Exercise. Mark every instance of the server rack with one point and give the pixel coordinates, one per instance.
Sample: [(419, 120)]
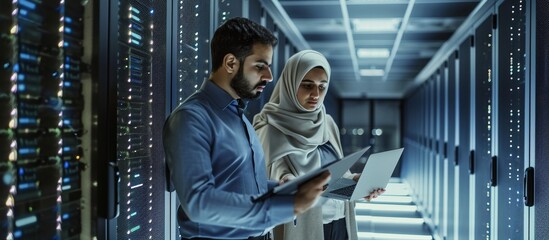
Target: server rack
[(493, 176), (440, 158), (130, 74), (6, 135), (483, 127), (140, 90), (431, 162), (426, 141), (537, 195), (41, 129), (464, 137), (511, 152), (423, 145), (451, 149)]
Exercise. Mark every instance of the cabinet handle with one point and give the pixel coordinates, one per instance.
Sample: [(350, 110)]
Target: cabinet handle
[(529, 187), (472, 162), (494, 171)]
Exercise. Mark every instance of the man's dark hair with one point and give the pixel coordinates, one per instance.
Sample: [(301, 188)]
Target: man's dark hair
[(237, 36)]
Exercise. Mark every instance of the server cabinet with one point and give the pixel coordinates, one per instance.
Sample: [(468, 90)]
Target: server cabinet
[(464, 152), (511, 117), (423, 187), (424, 154), (412, 142), (483, 128), (41, 129), (193, 50), (495, 142), (450, 149), (540, 52), (7, 118), (430, 148), (130, 113), (441, 141), (139, 91)]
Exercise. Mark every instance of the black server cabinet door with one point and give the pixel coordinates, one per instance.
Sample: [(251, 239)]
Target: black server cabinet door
[(424, 154), (431, 149), (541, 54), (511, 117), (193, 48), (464, 137), (41, 106), (440, 189), (140, 93), (483, 128), (450, 146)]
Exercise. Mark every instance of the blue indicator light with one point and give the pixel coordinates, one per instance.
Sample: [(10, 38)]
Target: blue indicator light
[(27, 4)]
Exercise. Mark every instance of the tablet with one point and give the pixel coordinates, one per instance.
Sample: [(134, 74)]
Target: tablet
[(336, 168)]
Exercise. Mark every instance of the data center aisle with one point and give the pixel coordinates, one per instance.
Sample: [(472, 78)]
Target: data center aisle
[(392, 215)]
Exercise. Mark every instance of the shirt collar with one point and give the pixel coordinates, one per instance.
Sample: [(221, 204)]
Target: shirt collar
[(220, 97)]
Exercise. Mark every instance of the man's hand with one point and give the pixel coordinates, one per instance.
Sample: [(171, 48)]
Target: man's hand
[(309, 192), (286, 178)]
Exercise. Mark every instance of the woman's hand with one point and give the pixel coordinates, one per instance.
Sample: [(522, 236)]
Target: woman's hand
[(356, 177), (375, 194)]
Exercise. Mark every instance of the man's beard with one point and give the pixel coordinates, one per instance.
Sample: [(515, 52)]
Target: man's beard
[(243, 88)]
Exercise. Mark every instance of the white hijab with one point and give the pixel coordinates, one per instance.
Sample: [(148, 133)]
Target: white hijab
[(286, 128)]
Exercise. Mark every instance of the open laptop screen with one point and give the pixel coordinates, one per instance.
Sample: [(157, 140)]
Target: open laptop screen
[(336, 168)]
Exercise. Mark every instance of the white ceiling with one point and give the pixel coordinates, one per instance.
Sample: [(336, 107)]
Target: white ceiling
[(415, 30)]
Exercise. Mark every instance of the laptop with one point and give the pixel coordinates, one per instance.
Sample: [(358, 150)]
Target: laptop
[(336, 168), (376, 174)]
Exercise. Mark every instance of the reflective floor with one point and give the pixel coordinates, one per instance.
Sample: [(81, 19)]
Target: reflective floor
[(392, 215)]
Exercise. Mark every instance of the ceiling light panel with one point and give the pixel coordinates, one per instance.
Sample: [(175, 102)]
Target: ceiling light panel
[(373, 52), (372, 72), (376, 25)]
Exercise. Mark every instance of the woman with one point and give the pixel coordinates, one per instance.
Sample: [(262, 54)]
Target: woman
[(298, 136)]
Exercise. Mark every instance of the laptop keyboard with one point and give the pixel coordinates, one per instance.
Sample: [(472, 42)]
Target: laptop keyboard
[(345, 191)]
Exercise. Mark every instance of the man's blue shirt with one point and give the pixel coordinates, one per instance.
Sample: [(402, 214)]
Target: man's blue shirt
[(216, 169)]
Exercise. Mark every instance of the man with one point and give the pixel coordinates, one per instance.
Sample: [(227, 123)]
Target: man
[(216, 161)]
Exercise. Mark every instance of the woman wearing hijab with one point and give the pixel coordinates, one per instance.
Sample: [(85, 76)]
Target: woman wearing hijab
[(298, 136)]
